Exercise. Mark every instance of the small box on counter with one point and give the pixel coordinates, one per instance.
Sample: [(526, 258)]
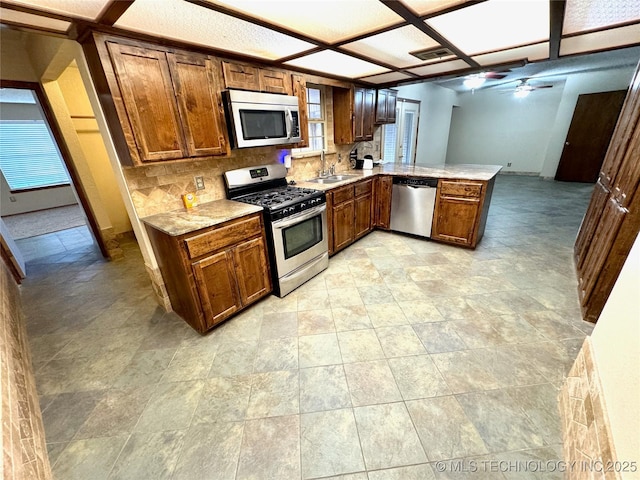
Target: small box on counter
[(190, 200)]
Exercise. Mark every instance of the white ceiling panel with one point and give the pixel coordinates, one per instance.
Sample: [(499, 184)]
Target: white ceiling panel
[(387, 77), (187, 22), (89, 9), (424, 7), (590, 42), (440, 68), (336, 63), (326, 20), (393, 47), (539, 51), (581, 16), (495, 25), (13, 16)]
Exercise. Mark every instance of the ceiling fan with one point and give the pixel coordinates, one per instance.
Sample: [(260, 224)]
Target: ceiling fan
[(524, 88), (476, 80)]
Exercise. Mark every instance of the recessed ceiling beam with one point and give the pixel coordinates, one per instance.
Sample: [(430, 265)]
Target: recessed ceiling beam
[(414, 20), (556, 19), (112, 12)]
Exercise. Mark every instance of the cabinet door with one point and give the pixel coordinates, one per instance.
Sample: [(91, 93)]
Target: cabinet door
[(274, 81), (358, 114), (343, 227), (455, 220), (149, 100), (199, 103), (392, 97), (238, 75), (383, 201), (363, 215), (381, 106), (300, 91), (368, 114), (252, 270), (216, 282)]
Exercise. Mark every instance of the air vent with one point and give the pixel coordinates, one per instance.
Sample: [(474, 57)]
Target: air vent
[(432, 53)]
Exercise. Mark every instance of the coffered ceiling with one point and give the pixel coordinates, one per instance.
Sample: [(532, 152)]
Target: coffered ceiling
[(380, 42)]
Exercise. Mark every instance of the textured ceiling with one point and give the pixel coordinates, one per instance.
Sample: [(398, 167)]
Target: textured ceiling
[(370, 41)]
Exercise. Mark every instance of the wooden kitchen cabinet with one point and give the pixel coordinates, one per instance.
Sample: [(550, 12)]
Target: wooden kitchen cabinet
[(386, 106), (300, 91), (363, 208), (382, 201), (257, 79), (213, 273), (460, 211), (353, 114), (168, 102), (350, 213)]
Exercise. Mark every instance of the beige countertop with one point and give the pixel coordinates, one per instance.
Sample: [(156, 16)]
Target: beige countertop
[(454, 172), (179, 222)]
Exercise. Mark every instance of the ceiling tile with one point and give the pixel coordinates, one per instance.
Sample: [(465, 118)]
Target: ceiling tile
[(387, 77), (440, 68), (13, 16), (425, 7), (590, 42), (581, 16), (393, 47), (495, 25), (187, 22), (327, 20), (89, 9), (539, 51), (335, 63)]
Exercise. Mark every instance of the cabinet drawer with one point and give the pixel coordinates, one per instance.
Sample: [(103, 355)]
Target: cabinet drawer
[(238, 75), (342, 194), (364, 188), (223, 237), (460, 189)]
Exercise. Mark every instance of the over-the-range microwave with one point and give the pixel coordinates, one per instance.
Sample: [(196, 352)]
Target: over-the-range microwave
[(256, 119)]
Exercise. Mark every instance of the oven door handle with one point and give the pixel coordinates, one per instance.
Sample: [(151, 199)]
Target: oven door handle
[(287, 222)]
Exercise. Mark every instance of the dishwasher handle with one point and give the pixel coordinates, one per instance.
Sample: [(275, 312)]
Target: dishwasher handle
[(416, 182)]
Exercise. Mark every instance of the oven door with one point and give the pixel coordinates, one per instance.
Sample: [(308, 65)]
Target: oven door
[(299, 239)]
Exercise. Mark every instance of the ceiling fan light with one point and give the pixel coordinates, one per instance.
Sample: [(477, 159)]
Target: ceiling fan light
[(522, 92), (473, 82)]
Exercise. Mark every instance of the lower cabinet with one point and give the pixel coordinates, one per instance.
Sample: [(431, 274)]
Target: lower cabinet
[(382, 188), (350, 213), (461, 211), (211, 274), (363, 206)]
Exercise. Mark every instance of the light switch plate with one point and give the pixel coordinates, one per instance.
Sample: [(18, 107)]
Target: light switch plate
[(199, 182)]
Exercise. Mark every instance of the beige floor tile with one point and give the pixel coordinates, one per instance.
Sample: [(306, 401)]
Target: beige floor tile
[(279, 325), (314, 300), (344, 297), (91, 458), (439, 337), (414, 472), (423, 311), (223, 399), (329, 443), (359, 346), (317, 350), (386, 315), (373, 294), (323, 388), (418, 377), (463, 371), (274, 394), (276, 354), (311, 322), (234, 359), (399, 341), (354, 317), (371, 382), (171, 407)]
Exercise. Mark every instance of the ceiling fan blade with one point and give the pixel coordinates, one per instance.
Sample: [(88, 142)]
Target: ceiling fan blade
[(543, 86), (494, 75)]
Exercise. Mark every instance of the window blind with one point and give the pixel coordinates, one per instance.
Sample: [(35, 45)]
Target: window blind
[(29, 157)]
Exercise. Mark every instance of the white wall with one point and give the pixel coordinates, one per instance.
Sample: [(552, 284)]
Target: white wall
[(616, 349), (576, 85), (492, 126), (436, 104)]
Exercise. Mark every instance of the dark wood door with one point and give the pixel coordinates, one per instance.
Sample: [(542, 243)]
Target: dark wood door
[(239, 75), (274, 81), (363, 224), (217, 286), (343, 225), (368, 114), (199, 103), (300, 90), (358, 114), (252, 270), (592, 125), (148, 96), (383, 201), (455, 220)]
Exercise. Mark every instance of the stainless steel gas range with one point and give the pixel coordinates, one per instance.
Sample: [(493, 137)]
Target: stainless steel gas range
[(295, 219)]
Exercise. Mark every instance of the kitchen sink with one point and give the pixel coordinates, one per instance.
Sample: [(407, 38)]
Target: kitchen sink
[(333, 178)]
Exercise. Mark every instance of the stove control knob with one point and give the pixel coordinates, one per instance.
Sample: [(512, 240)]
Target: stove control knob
[(303, 206)]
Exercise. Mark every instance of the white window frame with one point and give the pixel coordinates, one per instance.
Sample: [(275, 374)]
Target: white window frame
[(308, 151)]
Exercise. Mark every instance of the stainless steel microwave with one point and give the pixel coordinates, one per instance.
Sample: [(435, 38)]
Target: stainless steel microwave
[(256, 119)]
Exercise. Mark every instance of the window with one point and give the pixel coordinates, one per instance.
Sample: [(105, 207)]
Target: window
[(317, 119), (29, 157)]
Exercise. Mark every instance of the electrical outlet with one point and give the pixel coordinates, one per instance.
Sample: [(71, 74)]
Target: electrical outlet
[(339, 158), (12, 199), (509, 164), (199, 182)]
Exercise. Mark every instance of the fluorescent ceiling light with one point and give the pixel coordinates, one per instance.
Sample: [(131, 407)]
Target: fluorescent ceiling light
[(22, 18), (495, 25), (386, 77), (326, 20), (440, 67), (424, 7), (190, 23), (393, 47), (75, 8), (336, 63), (602, 40), (581, 15)]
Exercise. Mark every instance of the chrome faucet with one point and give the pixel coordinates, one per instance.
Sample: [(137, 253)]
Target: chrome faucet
[(323, 172)]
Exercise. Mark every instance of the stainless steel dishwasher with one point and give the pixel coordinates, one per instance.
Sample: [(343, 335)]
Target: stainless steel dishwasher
[(412, 204)]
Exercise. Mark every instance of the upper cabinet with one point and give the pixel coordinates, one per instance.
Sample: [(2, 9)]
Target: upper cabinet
[(300, 91), (170, 103), (386, 106), (248, 77), (353, 114)]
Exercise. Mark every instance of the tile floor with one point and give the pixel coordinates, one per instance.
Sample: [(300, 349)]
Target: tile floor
[(406, 359)]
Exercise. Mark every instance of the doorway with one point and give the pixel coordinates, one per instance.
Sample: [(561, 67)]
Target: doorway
[(592, 125), (43, 209), (399, 139)]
